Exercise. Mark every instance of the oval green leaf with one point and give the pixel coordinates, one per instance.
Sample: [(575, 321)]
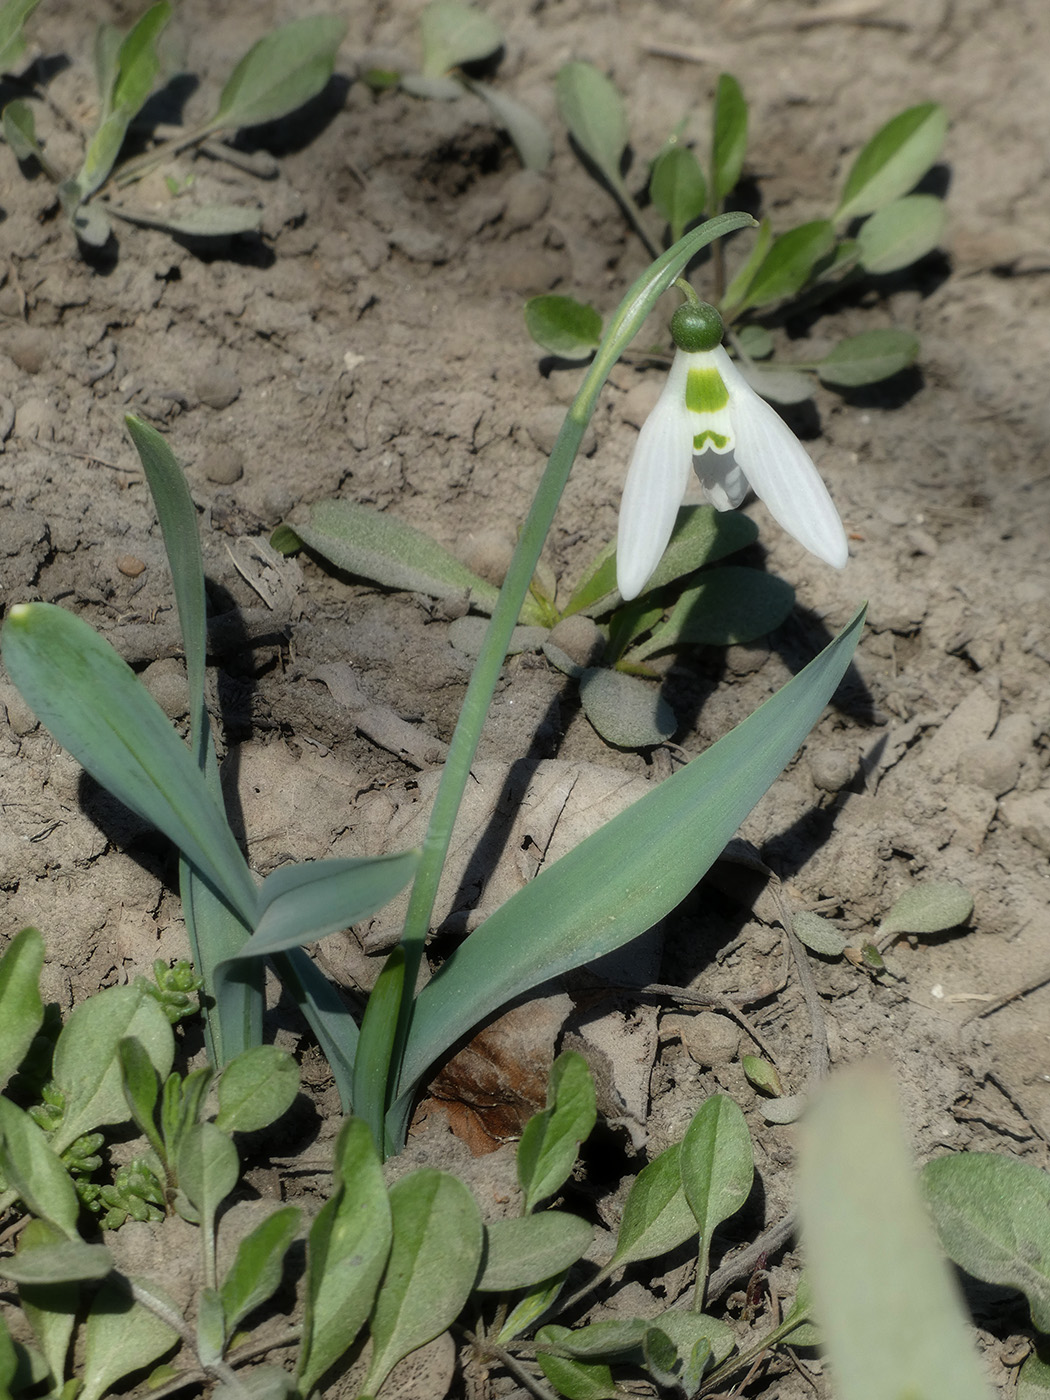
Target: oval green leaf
[(530, 137), (21, 1009), (593, 111), (929, 908), (656, 1215), (279, 73), (894, 160), (790, 262), (256, 1088), (729, 137), (677, 188), (729, 606), (868, 358), (255, 1273), (453, 34), (523, 1252), (551, 1140), (564, 326), (716, 1166), (901, 233), (626, 711)]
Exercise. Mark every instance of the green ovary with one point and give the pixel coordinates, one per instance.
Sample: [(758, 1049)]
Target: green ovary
[(705, 392), (717, 440)]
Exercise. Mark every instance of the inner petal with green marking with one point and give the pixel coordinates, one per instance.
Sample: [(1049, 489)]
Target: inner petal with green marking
[(705, 391), (719, 441)]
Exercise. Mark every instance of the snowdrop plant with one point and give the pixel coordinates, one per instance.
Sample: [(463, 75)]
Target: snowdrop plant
[(710, 418)]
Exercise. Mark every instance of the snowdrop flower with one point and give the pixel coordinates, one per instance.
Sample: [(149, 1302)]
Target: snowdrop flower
[(710, 418)]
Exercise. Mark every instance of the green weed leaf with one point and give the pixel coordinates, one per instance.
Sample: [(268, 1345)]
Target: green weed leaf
[(819, 935), (208, 1169), (790, 263), (33, 1169), (729, 605), (868, 358), (874, 1266), (993, 1217), (69, 1261), (740, 285), (550, 1142), (530, 137), (87, 1065), (13, 16), (278, 74), (929, 908), (900, 233), (20, 131), (200, 221), (256, 1088), (524, 1252), (453, 34), (656, 1215), (779, 383), (576, 1380), (607, 1339), (433, 1263), (564, 326), (624, 710), (21, 1010), (729, 137), (346, 1254), (255, 1273), (121, 1337), (530, 1308), (141, 1090), (717, 1168), (594, 114), (677, 188), (894, 160)]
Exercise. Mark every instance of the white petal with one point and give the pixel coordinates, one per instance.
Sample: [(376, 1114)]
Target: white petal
[(655, 485), (781, 473)]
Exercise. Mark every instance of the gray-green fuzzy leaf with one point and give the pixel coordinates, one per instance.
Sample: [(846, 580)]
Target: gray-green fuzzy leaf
[(200, 221), (563, 325), (790, 263), (593, 111), (729, 605), (868, 358), (121, 1337), (256, 1088), (525, 1251), (894, 160), (208, 1169), (433, 1264), (32, 1168), (900, 233), (551, 1140), (677, 188), (576, 1380), (255, 1273), (13, 16), (21, 1009), (626, 711), (530, 137), (729, 137), (818, 934), (929, 908), (67, 1262), (656, 1215), (453, 34), (717, 1167), (278, 74), (993, 1217)]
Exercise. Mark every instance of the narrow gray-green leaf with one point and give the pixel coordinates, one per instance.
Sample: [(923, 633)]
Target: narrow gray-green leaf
[(930, 907), (121, 1337), (790, 262), (729, 605), (728, 137), (894, 160), (564, 326), (626, 711), (278, 74), (21, 1009), (523, 1252), (453, 34), (105, 52), (576, 1380), (779, 384), (94, 705), (20, 131), (629, 875), (656, 1215), (614, 1338), (31, 1167), (524, 1315), (702, 535), (992, 1214), (67, 1262), (530, 137), (873, 1261), (593, 111), (868, 358), (377, 546), (686, 1329), (13, 16), (677, 188), (141, 1090), (433, 1263), (347, 1253), (49, 1308), (818, 934), (87, 1063), (740, 285), (256, 1271), (550, 1142), (301, 903), (202, 221), (717, 1167), (900, 233), (208, 1169), (256, 1088)]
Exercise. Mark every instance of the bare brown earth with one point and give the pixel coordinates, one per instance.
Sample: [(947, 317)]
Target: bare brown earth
[(371, 345)]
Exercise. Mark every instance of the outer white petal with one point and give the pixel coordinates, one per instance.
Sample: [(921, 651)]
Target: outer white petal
[(780, 471), (655, 485)]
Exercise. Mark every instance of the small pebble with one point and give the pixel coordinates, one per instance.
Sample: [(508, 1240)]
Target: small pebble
[(580, 638), (830, 769), (544, 425), (710, 1040), (488, 553), (28, 347), (35, 418), (218, 388), (527, 196), (130, 566), (223, 465), (166, 682)]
